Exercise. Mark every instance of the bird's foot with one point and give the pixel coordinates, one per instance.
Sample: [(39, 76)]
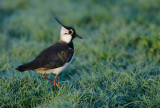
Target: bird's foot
[(57, 85)]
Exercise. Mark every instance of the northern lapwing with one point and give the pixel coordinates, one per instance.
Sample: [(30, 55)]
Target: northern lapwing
[(55, 58)]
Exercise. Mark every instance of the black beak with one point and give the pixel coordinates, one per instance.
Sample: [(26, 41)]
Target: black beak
[(78, 36)]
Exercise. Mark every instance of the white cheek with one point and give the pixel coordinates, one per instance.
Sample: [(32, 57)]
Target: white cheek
[(66, 38), (63, 31)]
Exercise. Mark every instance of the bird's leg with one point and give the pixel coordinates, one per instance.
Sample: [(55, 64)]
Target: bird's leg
[(50, 80), (46, 78), (55, 83)]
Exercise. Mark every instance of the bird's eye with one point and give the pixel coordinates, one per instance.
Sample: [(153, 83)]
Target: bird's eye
[(70, 32)]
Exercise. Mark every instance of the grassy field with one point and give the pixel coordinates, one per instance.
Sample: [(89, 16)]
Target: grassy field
[(117, 64)]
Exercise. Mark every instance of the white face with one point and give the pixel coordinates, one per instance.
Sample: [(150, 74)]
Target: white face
[(65, 36)]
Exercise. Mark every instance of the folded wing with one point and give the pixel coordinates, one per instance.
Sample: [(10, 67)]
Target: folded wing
[(53, 57)]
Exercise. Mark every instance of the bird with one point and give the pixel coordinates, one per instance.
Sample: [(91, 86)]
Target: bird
[(55, 58)]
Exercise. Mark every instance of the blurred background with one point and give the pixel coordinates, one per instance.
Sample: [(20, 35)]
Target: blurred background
[(116, 64)]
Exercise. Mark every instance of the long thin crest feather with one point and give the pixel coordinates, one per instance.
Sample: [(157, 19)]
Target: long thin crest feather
[(59, 22)]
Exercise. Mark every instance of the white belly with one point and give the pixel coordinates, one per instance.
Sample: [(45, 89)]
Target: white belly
[(57, 70)]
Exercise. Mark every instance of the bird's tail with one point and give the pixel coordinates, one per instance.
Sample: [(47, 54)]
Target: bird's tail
[(21, 68), (25, 67)]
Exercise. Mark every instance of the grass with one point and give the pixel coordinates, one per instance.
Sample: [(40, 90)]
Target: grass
[(117, 64)]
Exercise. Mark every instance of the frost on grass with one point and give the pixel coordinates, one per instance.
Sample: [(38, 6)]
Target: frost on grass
[(116, 64)]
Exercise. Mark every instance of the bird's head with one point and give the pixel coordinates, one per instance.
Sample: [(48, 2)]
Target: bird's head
[(67, 33)]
